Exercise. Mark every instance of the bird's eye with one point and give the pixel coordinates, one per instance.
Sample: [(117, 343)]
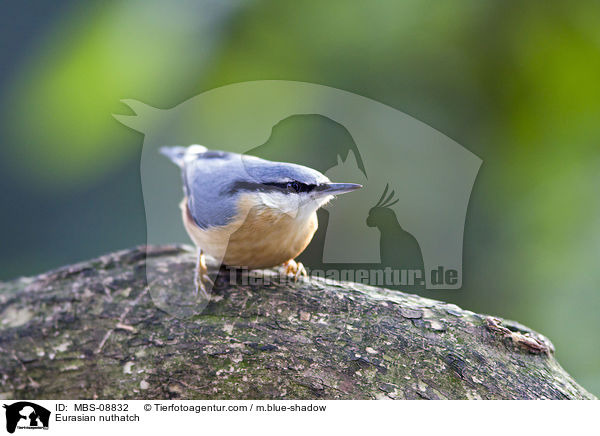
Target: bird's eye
[(295, 186)]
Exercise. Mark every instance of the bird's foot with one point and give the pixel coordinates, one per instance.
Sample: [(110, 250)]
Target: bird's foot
[(201, 278), (295, 268)]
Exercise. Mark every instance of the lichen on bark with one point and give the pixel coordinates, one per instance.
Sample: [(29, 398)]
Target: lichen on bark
[(92, 330)]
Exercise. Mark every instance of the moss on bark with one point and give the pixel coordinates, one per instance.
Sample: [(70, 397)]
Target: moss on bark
[(92, 330)]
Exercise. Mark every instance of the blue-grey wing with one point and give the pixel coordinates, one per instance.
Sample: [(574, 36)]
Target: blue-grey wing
[(207, 178), (210, 178)]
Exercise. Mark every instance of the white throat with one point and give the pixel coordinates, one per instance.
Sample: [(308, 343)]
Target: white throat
[(297, 206)]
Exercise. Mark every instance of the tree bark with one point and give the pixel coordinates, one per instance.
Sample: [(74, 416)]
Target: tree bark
[(94, 330)]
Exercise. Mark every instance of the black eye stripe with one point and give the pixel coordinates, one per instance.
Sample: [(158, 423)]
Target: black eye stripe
[(271, 186), (292, 186)]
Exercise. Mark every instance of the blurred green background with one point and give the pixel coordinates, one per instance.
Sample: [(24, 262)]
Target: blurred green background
[(518, 84)]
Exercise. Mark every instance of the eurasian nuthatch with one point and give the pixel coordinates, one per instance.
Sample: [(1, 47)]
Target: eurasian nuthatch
[(248, 211)]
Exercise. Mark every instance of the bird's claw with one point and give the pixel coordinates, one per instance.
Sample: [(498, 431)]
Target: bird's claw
[(295, 268), (201, 278)]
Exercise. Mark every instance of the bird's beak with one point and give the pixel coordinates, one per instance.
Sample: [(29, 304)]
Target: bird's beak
[(336, 188)]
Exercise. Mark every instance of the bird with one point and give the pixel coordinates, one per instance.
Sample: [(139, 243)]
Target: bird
[(250, 212)]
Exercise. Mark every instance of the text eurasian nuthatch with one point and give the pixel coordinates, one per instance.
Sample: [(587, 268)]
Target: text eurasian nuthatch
[(248, 211)]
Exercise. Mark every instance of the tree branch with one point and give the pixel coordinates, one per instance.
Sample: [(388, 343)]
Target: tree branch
[(92, 330)]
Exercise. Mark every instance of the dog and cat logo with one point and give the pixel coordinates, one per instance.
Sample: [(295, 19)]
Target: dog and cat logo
[(26, 415), (422, 178), (426, 176)]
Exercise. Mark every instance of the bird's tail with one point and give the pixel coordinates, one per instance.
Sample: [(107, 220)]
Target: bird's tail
[(177, 154)]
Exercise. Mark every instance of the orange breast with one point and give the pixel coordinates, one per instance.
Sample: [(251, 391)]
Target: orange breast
[(265, 238)]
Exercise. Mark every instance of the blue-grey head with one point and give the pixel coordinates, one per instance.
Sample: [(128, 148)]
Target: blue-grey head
[(291, 188)]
